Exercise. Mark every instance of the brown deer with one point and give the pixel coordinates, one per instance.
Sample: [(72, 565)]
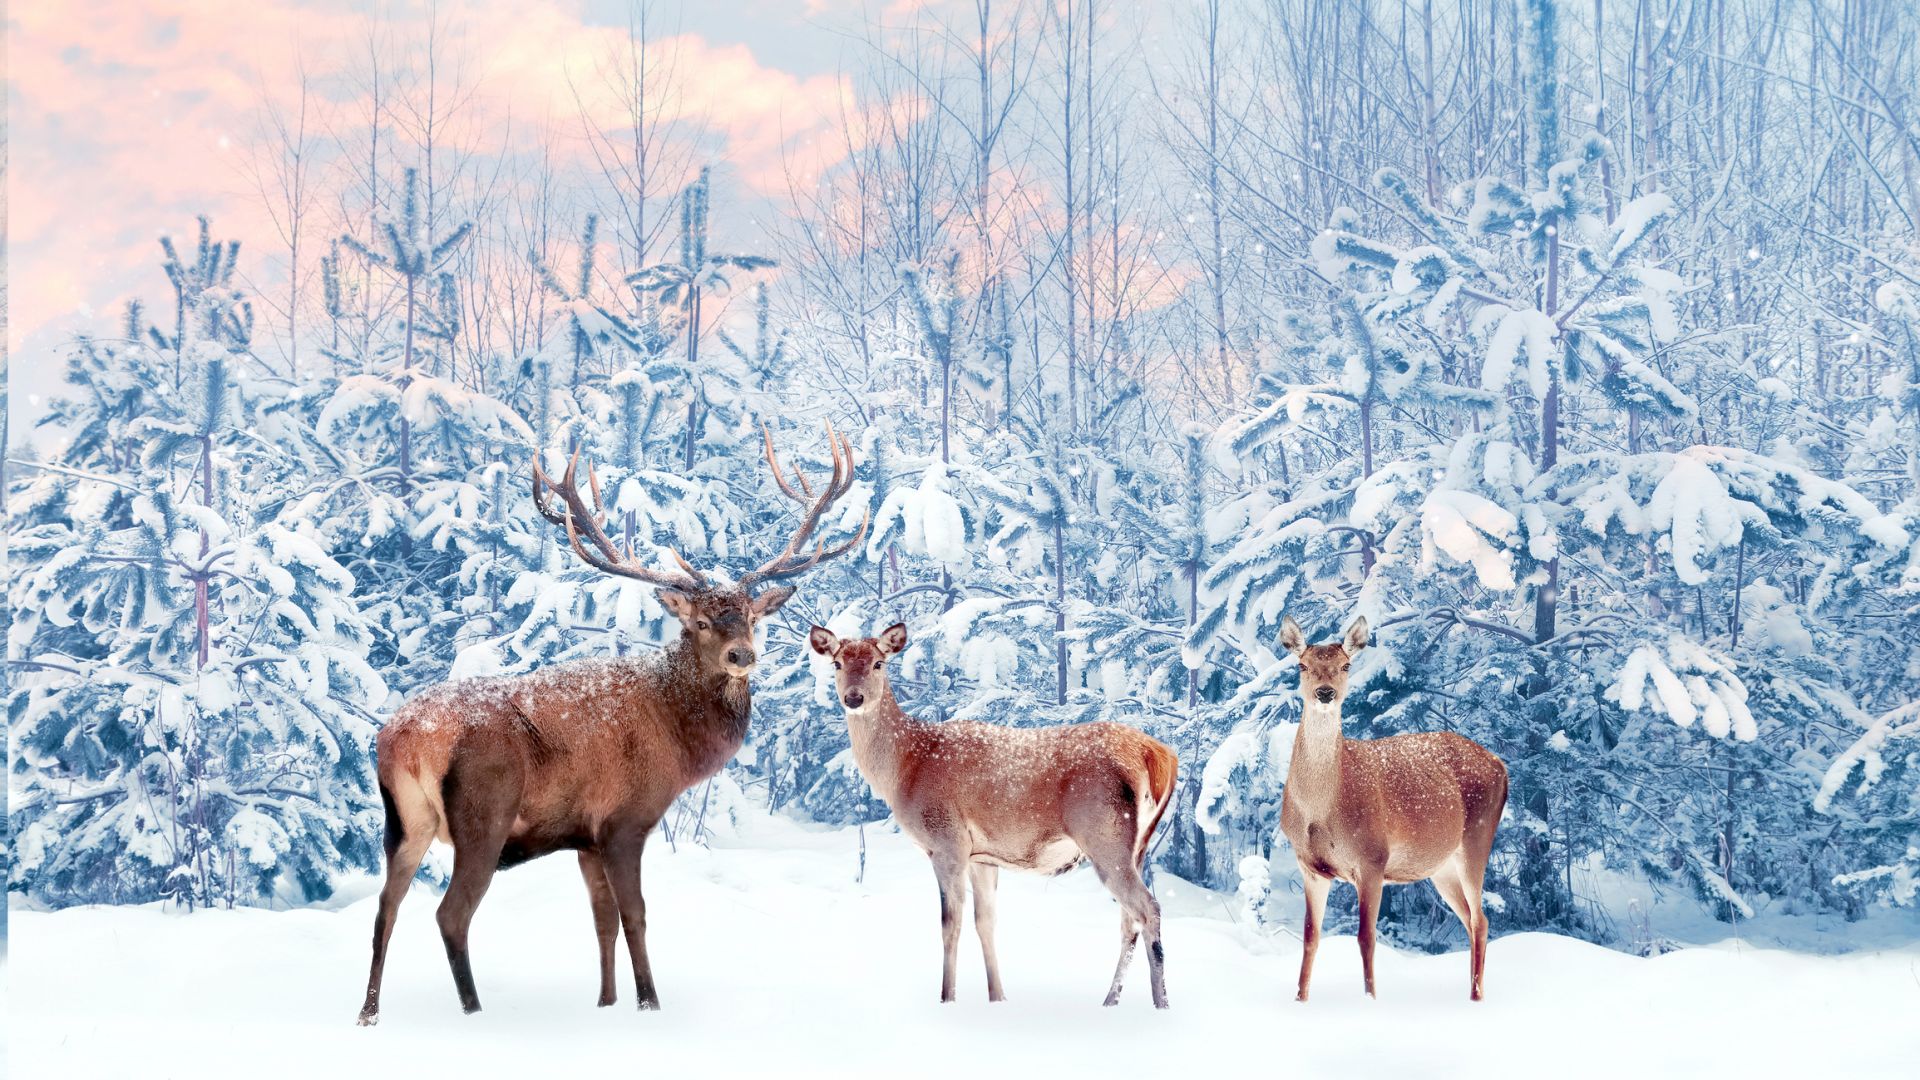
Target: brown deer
[(1377, 811), (977, 797), (587, 755)]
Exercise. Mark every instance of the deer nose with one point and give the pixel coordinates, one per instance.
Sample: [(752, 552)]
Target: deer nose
[(854, 699), (1325, 694), (740, 656)]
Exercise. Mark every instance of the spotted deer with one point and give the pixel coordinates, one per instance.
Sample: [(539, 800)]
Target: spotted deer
[(976, 797), (587, 755), (1373, 812)]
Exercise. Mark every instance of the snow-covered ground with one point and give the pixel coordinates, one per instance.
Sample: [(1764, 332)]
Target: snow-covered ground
[(773, 961)]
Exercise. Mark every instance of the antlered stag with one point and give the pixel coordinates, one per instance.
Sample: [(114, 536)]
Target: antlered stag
[(585, 755), (1374, 812), (977, 797)]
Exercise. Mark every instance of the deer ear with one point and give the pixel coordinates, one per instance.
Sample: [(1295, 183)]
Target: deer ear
[(769, 602), (677, 602), (822, 641), (1291, 639), (1357, 635), (893, 638)]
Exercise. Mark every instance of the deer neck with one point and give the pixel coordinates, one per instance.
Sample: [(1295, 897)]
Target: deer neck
[(712, 708), (1314, 775), (879, 734)]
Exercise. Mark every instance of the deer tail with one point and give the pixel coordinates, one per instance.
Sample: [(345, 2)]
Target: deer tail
[(1162, 767)]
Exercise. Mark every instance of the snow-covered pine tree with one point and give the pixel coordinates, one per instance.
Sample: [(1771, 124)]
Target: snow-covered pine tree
[(686, 285), (194, 719), (1479, 554), (410, 444)]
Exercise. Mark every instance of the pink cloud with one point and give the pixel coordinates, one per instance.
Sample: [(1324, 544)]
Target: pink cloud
[(128, 119)]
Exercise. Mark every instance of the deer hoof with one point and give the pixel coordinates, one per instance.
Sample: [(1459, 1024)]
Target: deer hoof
[(648, 1005), (369, 1019), (605, 1000), (1112, 1000)]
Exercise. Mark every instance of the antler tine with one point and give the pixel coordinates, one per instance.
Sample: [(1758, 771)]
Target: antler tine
[(820, 555), (788, 562), (773, 462), (599, 504), (581, 521), (543, 494), (684, 564), (843, 449), (573, 538), (821, 552)]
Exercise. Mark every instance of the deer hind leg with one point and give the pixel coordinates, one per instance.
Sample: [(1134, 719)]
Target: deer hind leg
[(950, 869), (1129, 937), (621, 859), (1315, 886), (986, 885), (1139, 918), (1156, 952), (406, 846), (1473, 873), (1447, 882), (1450, 882), (480, 796), (1109, 841), (606, 919), (473, 867), (1369, 887)]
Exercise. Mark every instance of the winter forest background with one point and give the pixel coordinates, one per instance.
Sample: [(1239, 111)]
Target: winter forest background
[(1576, 345)]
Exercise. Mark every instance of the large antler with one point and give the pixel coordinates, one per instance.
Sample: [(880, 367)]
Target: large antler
[(577, 519), (791, 562)]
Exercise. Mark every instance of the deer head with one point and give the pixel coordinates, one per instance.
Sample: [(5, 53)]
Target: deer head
[(1323, 668), (859, 667), (717, 620)]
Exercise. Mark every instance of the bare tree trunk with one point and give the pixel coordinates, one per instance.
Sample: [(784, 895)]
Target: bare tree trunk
[(1060, 605), (1216, 256), (1546, 599), (406, 420), (693, 367)]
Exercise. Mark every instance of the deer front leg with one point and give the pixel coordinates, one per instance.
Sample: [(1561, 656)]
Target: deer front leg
[(1369, 887), (1315, 887), (986, 884), (950, 869), (606, 919)]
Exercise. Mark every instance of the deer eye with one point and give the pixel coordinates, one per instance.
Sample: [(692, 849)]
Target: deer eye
[(836, 665), (1346, 667), (700, 624)]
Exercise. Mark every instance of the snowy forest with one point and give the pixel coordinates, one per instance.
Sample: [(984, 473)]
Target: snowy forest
[(1575, 345)]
